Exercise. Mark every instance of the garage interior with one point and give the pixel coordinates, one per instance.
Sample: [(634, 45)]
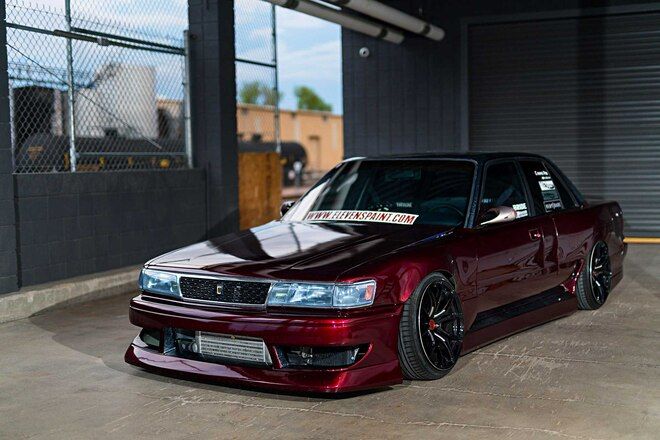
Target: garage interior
[(577, 81)]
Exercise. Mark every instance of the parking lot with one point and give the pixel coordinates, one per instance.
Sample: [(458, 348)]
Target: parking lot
[(593, 375)]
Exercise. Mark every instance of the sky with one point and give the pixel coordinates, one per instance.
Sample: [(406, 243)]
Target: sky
[(309, 50)]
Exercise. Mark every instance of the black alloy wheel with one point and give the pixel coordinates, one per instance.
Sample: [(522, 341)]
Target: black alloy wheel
[(601, 273), (440, 325), (431, 331), (595, 282)]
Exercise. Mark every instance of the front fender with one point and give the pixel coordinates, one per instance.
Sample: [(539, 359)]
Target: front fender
[(399, 273)]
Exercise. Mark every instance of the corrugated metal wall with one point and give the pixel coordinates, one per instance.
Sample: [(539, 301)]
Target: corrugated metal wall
[(584, 92)]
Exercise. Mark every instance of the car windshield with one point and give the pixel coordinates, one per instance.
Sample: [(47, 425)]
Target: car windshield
[(429, 192)]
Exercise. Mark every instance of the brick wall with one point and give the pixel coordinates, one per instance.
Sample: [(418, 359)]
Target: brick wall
[(73, 224), (401, 99), (55, 226)]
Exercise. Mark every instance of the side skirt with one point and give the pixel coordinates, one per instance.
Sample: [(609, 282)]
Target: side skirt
[(494, 324)]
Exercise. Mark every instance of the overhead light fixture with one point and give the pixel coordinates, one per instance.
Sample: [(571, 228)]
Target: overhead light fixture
[(341, 18), (392, 16)]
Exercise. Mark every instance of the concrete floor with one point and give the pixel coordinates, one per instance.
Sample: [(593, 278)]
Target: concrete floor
[(594, 375)]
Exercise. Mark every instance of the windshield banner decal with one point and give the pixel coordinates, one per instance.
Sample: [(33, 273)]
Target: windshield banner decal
[(397, 218)]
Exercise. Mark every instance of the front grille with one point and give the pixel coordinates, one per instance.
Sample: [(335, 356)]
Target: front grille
[(224, 291)]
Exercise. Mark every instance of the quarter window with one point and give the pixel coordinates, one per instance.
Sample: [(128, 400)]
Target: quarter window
[(545, 188), (504, 187), (564, 193)]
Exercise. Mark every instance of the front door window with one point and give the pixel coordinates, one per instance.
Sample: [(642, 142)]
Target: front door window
[(504, 187)]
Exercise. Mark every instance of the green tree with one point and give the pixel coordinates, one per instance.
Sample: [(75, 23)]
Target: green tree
[(270, 96), (250, 92), (256, 92), (309, 100)]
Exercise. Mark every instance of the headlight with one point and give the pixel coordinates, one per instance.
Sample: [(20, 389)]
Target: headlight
[(322, 295), (163, 283)]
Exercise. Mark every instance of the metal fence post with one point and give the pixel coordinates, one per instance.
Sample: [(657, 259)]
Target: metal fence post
[(71, 86), (278, 142), (187, 126)]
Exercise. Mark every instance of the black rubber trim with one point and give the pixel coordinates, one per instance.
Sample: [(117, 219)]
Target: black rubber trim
[(520, 307)]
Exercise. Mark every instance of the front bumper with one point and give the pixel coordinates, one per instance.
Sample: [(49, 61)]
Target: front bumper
[(377, 368)]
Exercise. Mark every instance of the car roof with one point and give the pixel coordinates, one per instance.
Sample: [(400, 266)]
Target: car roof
[(479, 157)]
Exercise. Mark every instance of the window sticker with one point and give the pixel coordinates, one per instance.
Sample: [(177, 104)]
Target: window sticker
[(552, 206), (551, 199), (396, 218), (521, 210)]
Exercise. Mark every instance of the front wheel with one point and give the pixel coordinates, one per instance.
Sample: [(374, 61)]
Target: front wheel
[(431, 330)]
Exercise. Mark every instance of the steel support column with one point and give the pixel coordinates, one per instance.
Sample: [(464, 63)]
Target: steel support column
[(213, 108), (8, 234)]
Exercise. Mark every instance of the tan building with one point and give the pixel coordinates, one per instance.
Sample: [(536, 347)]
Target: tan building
[(170, 118), (320, 133)]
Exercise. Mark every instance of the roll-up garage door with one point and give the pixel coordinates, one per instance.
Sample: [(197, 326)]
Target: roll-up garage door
[(584, 92)]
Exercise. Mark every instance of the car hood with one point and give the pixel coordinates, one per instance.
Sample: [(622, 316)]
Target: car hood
[(296, 250)]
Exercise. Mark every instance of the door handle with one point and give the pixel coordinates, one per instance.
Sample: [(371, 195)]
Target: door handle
[(535, 234)]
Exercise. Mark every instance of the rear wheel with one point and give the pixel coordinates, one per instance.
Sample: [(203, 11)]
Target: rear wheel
[(431, 330), (595, 282)]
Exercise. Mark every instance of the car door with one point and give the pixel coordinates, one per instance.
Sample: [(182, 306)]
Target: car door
[(573, 228), (550, 200), (510, 255)]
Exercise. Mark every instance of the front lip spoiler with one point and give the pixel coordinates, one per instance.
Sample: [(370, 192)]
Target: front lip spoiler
[(307, 381), (378, 368)]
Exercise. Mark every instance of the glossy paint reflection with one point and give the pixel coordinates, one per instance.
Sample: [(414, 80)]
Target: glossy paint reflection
[(296, 250)]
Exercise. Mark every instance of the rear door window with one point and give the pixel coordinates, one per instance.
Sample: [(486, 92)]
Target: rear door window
[(544, 187)]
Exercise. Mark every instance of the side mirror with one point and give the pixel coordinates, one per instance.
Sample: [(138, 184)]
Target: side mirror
[(286, 206), (499, 214)]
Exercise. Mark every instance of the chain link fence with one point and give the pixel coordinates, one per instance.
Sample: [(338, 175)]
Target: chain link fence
[(258, 94), (117, 83)]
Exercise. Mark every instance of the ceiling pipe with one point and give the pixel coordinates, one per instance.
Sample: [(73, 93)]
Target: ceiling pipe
[(389, 15), (342, 18)]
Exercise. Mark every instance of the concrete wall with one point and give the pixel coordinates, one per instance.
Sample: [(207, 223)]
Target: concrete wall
[(409, 98), (74, 224)]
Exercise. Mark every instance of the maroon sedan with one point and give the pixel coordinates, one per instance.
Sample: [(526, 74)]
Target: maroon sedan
[(388, 268)]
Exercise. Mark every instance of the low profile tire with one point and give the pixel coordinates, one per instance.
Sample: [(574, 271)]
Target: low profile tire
[(595, 281), (431, 330)]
